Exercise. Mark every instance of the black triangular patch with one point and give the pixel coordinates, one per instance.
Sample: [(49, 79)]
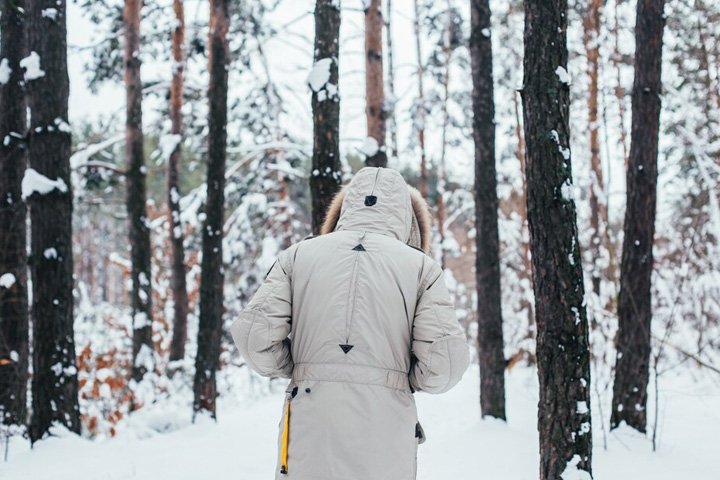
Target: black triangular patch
[(346, 348), (359, 248)]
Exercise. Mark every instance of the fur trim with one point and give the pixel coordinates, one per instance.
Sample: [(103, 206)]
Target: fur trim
[(332, 215), (420, 208), (423, 216)]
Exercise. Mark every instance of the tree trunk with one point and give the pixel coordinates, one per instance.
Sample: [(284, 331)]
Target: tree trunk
[(487, 256), (619, 92), (141, 300), (391, 81), (374, 88), (564, 421), (634, 306), (211, 277), (13, 213), (598, 208), (326, 168), (55, 382), (422, 112), (174, 167)]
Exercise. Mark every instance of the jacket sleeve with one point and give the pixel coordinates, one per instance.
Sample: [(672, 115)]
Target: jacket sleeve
[(440, 350), (262, 329)]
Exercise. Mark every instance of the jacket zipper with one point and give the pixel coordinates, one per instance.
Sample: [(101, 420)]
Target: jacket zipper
[(351, 294), (353, 279)]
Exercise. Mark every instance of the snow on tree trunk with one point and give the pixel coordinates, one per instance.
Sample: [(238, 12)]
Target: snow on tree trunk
[(326, 175), (212, 275), (54, 382), (634, 306), (374, 87), (139, 228), (174, 167), (13, 213), (562, 332), (487, 254)]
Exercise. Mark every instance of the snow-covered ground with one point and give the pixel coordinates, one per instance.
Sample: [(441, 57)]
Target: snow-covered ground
[(460, 445)]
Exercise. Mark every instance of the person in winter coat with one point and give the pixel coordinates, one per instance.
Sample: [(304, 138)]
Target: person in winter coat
[(359, 318)]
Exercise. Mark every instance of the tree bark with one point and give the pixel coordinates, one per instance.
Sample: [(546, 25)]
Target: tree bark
[(374, 87), (326, 167), (13, 215), (54, 382), (141, 299), (564, 421), (598, 208), (487, 252), (174, 167), (634, 306), (422, 112), (212, 275)]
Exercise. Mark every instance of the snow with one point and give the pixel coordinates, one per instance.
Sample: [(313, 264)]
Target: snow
[(5, 71), (7, 280), (50, 13), (35, 182), (563, 75), (31, 64), (50, 253), (160, 442), (168, 144), (572, 472), (370, 147), (62, 125), (320, 74)]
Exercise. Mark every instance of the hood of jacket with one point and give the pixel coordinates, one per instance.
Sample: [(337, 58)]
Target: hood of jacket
[(379, 200)]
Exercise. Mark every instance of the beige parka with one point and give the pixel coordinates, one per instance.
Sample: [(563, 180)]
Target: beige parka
[(358, 318)]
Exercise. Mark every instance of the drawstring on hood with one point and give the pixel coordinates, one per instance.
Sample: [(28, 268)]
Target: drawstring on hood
[(378, 200)]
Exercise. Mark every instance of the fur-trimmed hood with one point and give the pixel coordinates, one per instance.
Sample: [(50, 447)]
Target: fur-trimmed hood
[(378, 200)]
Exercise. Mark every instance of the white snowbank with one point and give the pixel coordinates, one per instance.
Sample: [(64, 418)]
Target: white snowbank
[(244, 439)]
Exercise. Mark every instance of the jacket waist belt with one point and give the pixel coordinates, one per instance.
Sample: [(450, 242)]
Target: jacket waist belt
[(349, 373)]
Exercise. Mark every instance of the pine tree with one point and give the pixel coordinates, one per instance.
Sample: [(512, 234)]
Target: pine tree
[(141, 301), (634, 304), (487, 252), (392, 117), (179, 283), (374, 82), (421, 107), (598, 208), (54, 382), (326, 174), (212, 275), (563, 358), (13, 214)]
